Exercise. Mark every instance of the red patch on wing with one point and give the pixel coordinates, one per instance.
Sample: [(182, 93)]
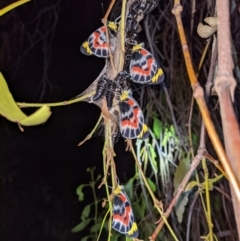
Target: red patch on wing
[(96, 40), (122, 197), (146, 71), (133, 122), (125, 218), (144, 52)]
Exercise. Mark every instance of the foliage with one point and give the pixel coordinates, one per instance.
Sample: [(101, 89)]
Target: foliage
[(10, 110)]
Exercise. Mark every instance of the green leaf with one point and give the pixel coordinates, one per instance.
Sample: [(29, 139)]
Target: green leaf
[(180, 172), (10, 110), (80, 193), (165, 137), (157, 127), (87, 237), (95, 228), (86, 211), (211, 181), (152, 152), (180, 206), (139, 209), (152, 158), (191, 185), (81, 225), (172, 130), (151, 185)]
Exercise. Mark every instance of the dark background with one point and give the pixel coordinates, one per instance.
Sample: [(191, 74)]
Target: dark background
[(41, 167)]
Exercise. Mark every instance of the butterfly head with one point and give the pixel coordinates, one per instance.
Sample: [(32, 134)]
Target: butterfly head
[(125, 94), (118, 189), (112, 25), (137, 47)]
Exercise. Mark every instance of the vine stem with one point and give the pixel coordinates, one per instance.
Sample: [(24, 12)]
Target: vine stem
[(62, 103), (12, 6), (209, 218)]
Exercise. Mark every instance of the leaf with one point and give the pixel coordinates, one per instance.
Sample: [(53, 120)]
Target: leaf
[(172, 130), (152, 152), (151, 185), (38, 117), (95, 228), (139, 209), (180, 172), (80, 193), (191, 185), (81, 225), (86, 211), (180, 206), (211, 181), (152, 158), (166, 136), (10, 110), (157, 127), (86, 238)]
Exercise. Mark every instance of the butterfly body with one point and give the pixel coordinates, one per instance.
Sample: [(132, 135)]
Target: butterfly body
[(128, 114), (123, 217)]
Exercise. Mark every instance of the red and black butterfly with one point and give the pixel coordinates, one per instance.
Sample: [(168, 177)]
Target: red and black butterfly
[(143, 67), (97, 44), (123, 219)]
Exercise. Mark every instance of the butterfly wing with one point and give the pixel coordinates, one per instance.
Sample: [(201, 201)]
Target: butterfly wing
[(123, 218), (98, 43), (84, 49), (144, 133), (144, 69), (131, 118)]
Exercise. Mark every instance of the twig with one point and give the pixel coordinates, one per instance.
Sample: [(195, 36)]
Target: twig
[(89, 136), (62, 103), (104, 21), (195, 162)]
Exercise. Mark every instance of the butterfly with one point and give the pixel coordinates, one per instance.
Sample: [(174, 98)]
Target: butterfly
[(131, 119), (123, 219), (97, 45), (143, 67)]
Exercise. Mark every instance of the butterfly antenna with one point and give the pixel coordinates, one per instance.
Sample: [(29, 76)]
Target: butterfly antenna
[(141, 87), (102, 9), (118, 19)]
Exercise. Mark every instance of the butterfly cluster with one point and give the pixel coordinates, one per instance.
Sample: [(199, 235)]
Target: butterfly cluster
[(143, 69), (140, 67)]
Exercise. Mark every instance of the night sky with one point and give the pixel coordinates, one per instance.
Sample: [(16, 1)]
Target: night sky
[(41, 167)]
